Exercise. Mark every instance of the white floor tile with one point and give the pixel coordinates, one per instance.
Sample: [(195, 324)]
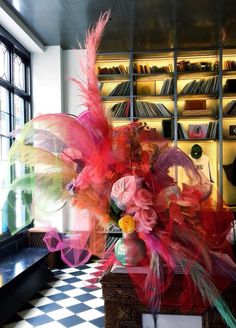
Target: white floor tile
[(85, 325), (68, 302), (57, 283), (90, 270), (74, 292), (52, 324), (96, 293), (60, 314), (90, 314), (87, 276), (68, 270), (81, 284), (94, 303)]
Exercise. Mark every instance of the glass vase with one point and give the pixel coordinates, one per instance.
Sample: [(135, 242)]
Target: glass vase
[(130, 249)]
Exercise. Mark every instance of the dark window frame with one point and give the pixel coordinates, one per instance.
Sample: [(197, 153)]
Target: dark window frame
[(14, 47)]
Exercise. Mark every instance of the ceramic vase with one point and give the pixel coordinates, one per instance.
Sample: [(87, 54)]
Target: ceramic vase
[(130, 249)]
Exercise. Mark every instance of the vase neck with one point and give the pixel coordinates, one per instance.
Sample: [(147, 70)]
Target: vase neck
[(131, 235)]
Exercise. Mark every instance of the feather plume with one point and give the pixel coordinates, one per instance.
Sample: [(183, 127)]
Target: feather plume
[(209, 292), (32, 156), (90, 90)]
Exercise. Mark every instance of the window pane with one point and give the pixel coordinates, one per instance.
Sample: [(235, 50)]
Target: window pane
[(4, 100), (4, 144), (18, 112), (4, 124), (19, 170), (4, 62), (19, 72), (4, 182)]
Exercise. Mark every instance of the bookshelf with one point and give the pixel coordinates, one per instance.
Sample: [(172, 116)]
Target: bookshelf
[(228, 124), (189, 96)]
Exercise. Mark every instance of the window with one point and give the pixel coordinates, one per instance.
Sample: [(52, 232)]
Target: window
[(15, 111)]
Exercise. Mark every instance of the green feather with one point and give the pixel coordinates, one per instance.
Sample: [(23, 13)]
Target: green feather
[(208, 290), (48, 185), (25, 183)]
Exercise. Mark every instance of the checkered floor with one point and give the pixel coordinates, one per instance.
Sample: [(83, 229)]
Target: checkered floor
[(68, 301)]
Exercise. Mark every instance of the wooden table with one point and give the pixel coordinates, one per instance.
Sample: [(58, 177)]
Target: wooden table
[(124, 310)]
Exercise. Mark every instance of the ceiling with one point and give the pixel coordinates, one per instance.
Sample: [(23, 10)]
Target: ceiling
[(135, 25)]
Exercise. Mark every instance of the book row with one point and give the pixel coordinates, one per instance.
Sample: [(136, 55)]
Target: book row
[(182, 66), (121, 109), (198, 131), (148, 109), (202, 66), (121, 89), (147, 69), (203, 86), (120, 69)]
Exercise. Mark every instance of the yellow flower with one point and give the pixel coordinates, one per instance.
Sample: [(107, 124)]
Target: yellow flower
[(127, 224)]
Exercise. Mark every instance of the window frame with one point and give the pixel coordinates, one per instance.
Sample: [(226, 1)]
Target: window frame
[(15, 48)]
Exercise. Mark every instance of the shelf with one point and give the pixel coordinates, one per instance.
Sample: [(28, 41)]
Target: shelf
[(228, 73), (112, 77), (198, 96), (229, 95), (154, 97), (153, 117), (198, 139), (153, 76), (229, 117), (120, 118), (115, 98), (199, 74), (197, 118), (229, 139)]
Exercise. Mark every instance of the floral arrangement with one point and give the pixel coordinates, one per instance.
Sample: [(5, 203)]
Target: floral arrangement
[(84, 162)]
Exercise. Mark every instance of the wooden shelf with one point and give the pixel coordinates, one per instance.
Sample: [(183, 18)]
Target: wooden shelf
[(112, 77), (146, 88)]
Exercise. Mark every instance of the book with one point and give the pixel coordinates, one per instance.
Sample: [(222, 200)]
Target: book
[(146, 88), (230, 85), (232, 130), (196, 104), (197, 131), (197, 112), (230, 108), (167, 128)]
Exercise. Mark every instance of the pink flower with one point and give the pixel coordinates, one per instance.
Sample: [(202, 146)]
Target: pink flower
[(124, 189), (143, 199), (146, 218)]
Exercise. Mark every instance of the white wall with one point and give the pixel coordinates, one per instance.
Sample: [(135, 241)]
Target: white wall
[(53, 92), (47, 91), (72, 98), (47, 81)]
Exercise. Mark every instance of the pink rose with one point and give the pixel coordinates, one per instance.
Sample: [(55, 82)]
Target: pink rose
[(124, 189), (146, 218), (143, 198)]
